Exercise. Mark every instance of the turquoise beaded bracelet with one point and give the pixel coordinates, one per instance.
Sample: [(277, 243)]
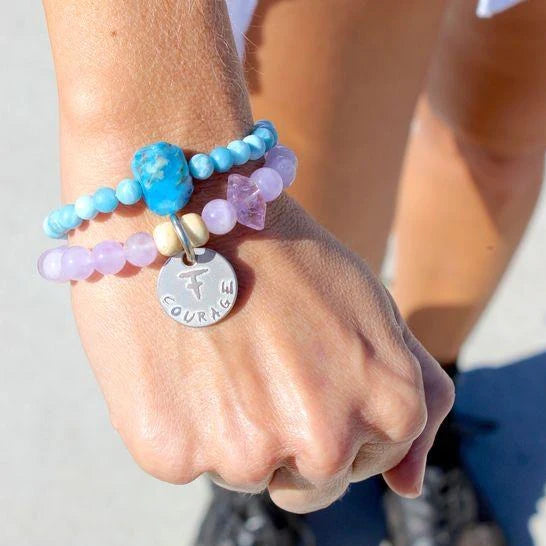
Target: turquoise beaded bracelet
[(163, 177), (196, 286)]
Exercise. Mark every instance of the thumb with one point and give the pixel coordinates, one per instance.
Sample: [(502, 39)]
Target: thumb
[(406, 478)]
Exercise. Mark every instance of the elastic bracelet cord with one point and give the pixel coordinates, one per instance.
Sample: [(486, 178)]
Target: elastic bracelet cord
[(245, 203), (150, 166)]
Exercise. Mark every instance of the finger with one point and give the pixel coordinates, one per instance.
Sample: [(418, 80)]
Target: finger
[(246, 472), (406, 478), (252, 488), (373, 459), (294, 493)]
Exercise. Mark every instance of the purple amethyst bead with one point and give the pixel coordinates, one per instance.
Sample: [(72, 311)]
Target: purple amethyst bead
[(269, 182), (49, 264), (249, 203), (285, 167), (219, 216), (140, 249), (77, 263), (109, 257), (283, 151), (285, 162)]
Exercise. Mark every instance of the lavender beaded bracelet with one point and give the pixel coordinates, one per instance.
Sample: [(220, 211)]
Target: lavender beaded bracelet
[(163, 177), (76, 263), (209, 284)]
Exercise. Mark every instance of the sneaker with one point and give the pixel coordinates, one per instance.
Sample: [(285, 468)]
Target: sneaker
[(240, 519), (449, 511)]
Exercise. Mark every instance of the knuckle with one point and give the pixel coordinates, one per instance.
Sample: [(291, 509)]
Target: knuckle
[(246, 470), (161, 453), (408, 420), (325, 457)]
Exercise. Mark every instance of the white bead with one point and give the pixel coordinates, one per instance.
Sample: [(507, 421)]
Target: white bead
[(195, 228), (167, 241)]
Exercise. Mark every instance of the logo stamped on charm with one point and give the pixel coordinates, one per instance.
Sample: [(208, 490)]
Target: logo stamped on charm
[(194, 284), (200, 294)]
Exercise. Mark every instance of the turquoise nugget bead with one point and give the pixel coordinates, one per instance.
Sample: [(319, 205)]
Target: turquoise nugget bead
[(266, 135), (201, 166), (85, 207), (221, 159), (240, 151), (257, 146), (68, 218), (163, 174), (105, 200), (129, 192)]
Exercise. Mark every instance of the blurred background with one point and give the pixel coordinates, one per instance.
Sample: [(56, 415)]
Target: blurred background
[(65, 476)]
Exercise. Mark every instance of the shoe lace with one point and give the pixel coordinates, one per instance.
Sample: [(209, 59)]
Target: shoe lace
[(256, 521), (454, 501)]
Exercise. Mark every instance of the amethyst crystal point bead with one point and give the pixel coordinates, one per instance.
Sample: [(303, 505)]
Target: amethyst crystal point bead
[(247, 200), (163, 173)]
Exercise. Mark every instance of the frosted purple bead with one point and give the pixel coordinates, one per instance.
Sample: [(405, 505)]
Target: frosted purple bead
[(49, 264), (285, 162), (269, 182), (283, 151), (77, 263), (109, 257), (219, 216), (249, 203), (140, 249)]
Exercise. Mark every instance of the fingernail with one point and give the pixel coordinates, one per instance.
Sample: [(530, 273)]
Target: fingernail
[(417, 487)]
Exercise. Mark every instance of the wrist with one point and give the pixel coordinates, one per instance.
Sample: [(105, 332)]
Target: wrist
[(127, 220)]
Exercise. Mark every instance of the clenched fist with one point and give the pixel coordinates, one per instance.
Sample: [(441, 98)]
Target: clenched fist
[(312, 382)]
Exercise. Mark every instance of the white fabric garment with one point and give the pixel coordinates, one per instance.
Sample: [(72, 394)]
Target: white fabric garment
[(241, 11), (488, 8)]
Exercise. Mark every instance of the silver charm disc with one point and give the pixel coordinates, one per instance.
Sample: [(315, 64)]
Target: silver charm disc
[(200, 294)]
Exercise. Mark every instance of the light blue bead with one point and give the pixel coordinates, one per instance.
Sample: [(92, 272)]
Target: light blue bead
[(68, 218), (162, 172), (266, 135), (55, 221), (257, 146), (85, 207), (50, 230), (268, 125), (105, 200), (240, 151), (221, 159), (129, 192), (201, 166)]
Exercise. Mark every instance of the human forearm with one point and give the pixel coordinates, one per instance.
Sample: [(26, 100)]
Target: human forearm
[(133, 72), (313, 381)]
